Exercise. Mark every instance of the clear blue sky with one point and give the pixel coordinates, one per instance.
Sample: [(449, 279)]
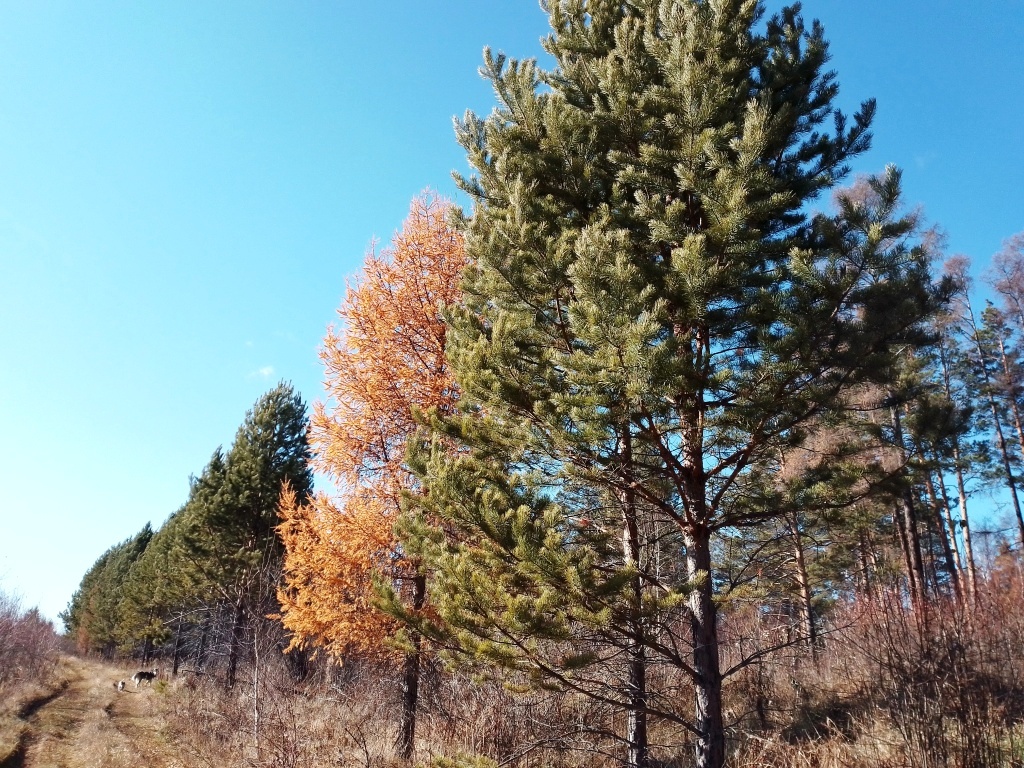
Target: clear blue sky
[(185, 186)]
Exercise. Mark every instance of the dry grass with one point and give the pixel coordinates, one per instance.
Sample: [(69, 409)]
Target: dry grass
[(79, 720), (890, 687), (18, 700)]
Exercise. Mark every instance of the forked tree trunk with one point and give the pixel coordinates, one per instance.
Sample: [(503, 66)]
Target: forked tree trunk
[(406, 744)]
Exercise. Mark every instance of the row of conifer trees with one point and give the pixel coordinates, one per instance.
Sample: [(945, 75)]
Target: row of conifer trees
[(194, 588)]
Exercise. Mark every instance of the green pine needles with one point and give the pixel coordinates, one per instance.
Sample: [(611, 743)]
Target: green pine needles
[(652, 321)]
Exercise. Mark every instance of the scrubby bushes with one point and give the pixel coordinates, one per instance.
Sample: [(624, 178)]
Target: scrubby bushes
[(936, 686), (28, 643)]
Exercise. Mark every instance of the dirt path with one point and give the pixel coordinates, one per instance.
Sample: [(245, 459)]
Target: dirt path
[(87, 723)]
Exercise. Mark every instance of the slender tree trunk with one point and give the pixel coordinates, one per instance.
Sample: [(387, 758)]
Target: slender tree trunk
[(1007, 466), (946, 533), (636, 672), (949, 521), (406, 744), (1011, 401), (203, 638), (1011, 394), (965, 525), (865, 555), (996, 421), (804, 584), (961, 486), (176, 653), (235, 645), (909, 537), (704, 626)]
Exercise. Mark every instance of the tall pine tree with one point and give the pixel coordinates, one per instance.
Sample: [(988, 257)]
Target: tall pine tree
[(652, 321), (232, 510)]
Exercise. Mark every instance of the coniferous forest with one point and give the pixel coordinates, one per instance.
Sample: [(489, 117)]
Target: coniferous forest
[(677, 444)]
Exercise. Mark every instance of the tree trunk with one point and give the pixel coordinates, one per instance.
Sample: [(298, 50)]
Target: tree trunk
[(237, 626), (636, 672), (965, 526), (710, 746), (1007, 467), (946, 534), (203, 638), (176, 653), (953, 525), (996, 422), (804, 583), (961, 489), (907, 518), (1011, 394), (406, 743), (864, 564)]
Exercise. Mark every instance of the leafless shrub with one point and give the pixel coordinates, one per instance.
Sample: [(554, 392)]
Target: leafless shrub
[(28, 643), (937, 686)]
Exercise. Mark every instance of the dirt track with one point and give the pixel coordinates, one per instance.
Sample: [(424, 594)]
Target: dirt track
[(87, 723)]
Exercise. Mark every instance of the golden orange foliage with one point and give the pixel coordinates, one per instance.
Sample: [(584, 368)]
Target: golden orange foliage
[(387, 357)]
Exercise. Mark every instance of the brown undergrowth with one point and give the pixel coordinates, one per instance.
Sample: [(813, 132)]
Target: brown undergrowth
[(934, 686)]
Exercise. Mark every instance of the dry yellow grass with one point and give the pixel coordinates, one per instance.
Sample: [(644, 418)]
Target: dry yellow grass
[(18, 700), (82, 721)]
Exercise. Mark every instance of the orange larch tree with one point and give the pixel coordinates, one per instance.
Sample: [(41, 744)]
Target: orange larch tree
[(386, 359)]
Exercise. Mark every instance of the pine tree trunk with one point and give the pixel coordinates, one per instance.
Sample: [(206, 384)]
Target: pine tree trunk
[(636, 673), (237, 625), (1004, 453), (965, 526), (708, 685), (996, 422), (951, 524), (961, 489), (176, 653), (406, 744), (804, 583), (910, 539), (945, 533)]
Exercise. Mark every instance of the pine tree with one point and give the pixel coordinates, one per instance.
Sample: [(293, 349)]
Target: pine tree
[(651, 322), (984, 357), (94, 615), (232, 510)]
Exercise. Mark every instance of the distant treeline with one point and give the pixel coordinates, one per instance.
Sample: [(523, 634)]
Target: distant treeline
[(194, 588)]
